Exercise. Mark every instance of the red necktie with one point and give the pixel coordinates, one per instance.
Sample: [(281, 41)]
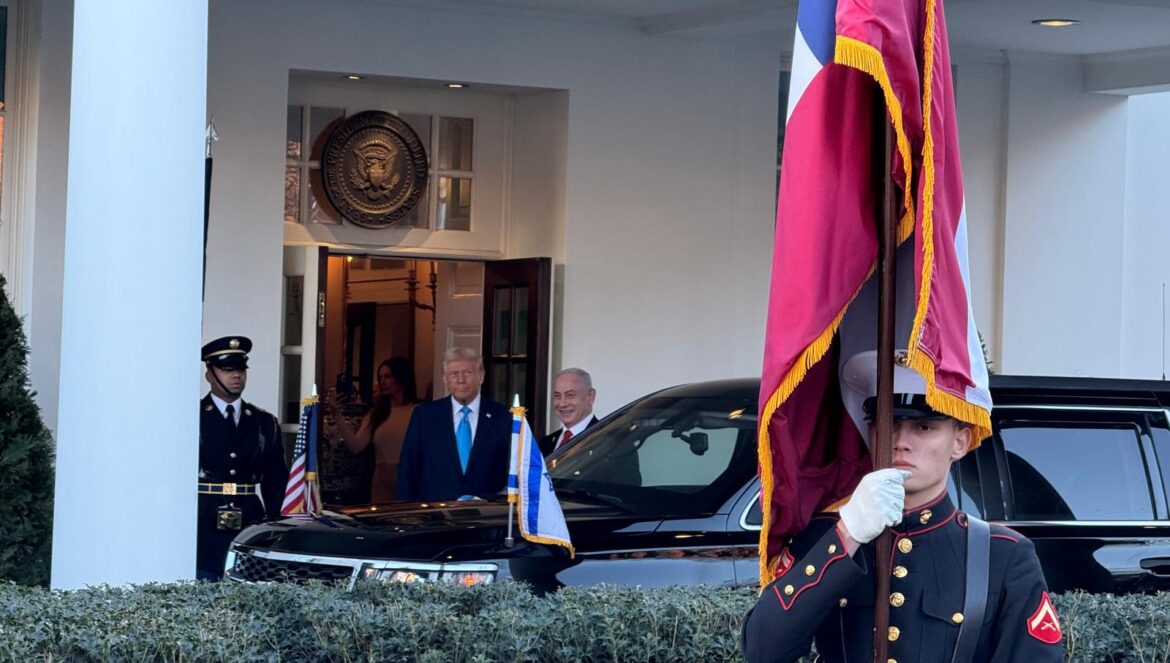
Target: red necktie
[(565, 438)]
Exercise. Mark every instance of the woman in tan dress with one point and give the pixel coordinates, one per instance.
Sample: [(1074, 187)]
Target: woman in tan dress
[(384, 425)]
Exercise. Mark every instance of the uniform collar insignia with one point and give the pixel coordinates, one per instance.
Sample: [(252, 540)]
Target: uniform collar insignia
[(926, 516)]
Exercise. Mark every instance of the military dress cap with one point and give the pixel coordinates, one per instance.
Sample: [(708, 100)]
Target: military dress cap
[(859, 385), (228, 352)]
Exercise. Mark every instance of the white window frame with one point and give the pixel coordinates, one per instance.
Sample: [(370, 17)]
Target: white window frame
[(491, 114)]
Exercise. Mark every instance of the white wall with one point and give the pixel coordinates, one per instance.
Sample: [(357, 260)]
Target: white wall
[(981, 101), (1146, 239), (1064, 211), (669, 162)]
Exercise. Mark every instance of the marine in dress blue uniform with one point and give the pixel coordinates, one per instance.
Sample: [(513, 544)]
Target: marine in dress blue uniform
[(824, 594), (242, 471)]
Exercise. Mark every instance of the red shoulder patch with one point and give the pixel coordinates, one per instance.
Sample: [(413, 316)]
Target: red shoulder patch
[(1044, 625)]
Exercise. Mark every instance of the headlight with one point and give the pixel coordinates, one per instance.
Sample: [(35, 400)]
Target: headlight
[(392, 575), (460, 574), (467, 578), (230, 562)]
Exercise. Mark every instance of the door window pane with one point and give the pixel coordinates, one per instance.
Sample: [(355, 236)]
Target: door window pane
[(294, 128), (321, 123), (1060, 471), (294, 304), (292, 194), (454, 205), (421, 125), (502, 319), (455, 143), (519, 383), (292, 387), (520, 342), (320, 209), (499, 385), (419, 216)]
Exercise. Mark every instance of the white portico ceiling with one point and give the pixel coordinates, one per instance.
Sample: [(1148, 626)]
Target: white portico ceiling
[(1107, 26)]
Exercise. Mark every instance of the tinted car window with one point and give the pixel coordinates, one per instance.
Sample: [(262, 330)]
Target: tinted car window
[(755, 514), (1056, 471), (1161, 435), (665, 455)]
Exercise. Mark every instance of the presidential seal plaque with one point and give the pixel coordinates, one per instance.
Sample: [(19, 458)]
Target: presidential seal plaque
[(374, 168)]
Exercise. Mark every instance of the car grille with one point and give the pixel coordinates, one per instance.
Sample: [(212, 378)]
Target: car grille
[(259, 569)]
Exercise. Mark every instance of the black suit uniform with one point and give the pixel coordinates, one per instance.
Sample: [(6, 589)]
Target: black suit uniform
[(429, 467), (251, 454), (548, 443), (824, 594)]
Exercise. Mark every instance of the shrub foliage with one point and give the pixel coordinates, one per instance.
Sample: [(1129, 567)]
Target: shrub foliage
[(439, 623), (26, 462)]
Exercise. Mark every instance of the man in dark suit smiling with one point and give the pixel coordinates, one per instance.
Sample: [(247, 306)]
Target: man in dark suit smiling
[(456, 447), (573, 395)]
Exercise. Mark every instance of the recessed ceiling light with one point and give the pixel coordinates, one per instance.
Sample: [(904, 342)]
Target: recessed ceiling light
[(456, 86), (1055, 22), (354, 77)]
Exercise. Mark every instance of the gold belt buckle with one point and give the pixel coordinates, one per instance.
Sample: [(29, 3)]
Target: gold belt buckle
[(229, 489)]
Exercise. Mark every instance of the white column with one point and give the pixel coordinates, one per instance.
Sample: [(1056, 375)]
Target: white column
[(128, 423)]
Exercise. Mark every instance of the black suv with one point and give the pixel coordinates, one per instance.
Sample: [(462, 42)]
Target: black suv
[(664, 492)]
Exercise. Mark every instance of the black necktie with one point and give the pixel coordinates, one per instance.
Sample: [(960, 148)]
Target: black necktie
[(231, 417)]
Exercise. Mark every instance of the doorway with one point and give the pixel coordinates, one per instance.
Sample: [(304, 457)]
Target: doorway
[(372, 308)]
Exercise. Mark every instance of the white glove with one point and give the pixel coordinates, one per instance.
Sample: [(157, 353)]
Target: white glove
[(875, 505)]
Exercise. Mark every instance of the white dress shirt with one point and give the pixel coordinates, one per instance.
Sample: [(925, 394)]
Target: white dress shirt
[(222, 405), (472, 417)]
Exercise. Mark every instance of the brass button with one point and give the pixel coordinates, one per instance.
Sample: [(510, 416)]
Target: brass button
[(788, 590), (809, 570), (900, 572), (232, 472), (957, 618), (843, 602), (832, 548), (232, 455), (905, 545), (894, 633), (890, 660), (925, 516), (896, 599)]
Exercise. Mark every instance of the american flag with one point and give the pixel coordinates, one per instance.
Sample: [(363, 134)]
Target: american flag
[(302, 495)]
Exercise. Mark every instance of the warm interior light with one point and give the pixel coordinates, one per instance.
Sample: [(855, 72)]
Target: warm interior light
[(456, 86), (1055, 22)]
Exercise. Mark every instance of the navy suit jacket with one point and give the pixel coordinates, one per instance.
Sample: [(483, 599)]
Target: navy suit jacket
[(429, 469), (548, 443)]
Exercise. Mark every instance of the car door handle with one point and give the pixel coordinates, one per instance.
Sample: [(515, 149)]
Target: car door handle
[(1159, 566)]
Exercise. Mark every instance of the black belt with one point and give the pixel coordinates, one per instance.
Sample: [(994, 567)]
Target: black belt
[(228, 489)]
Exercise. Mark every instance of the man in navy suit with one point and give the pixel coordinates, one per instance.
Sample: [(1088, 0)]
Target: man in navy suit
[(456, 447)]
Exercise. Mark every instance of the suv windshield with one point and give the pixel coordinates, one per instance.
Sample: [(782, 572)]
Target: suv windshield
[(664, 456)]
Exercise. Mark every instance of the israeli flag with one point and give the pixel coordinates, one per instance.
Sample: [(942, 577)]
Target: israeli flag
[(531, 489)]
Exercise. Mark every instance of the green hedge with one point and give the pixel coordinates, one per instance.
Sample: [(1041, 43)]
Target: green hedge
[(433, 623)]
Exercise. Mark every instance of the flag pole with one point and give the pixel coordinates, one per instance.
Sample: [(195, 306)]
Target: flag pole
[(311, 453), (883, 421), (508, 540)]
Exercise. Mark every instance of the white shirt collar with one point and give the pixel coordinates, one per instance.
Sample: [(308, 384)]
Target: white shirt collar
[(456, 406), (580, 426), (221, 404)]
